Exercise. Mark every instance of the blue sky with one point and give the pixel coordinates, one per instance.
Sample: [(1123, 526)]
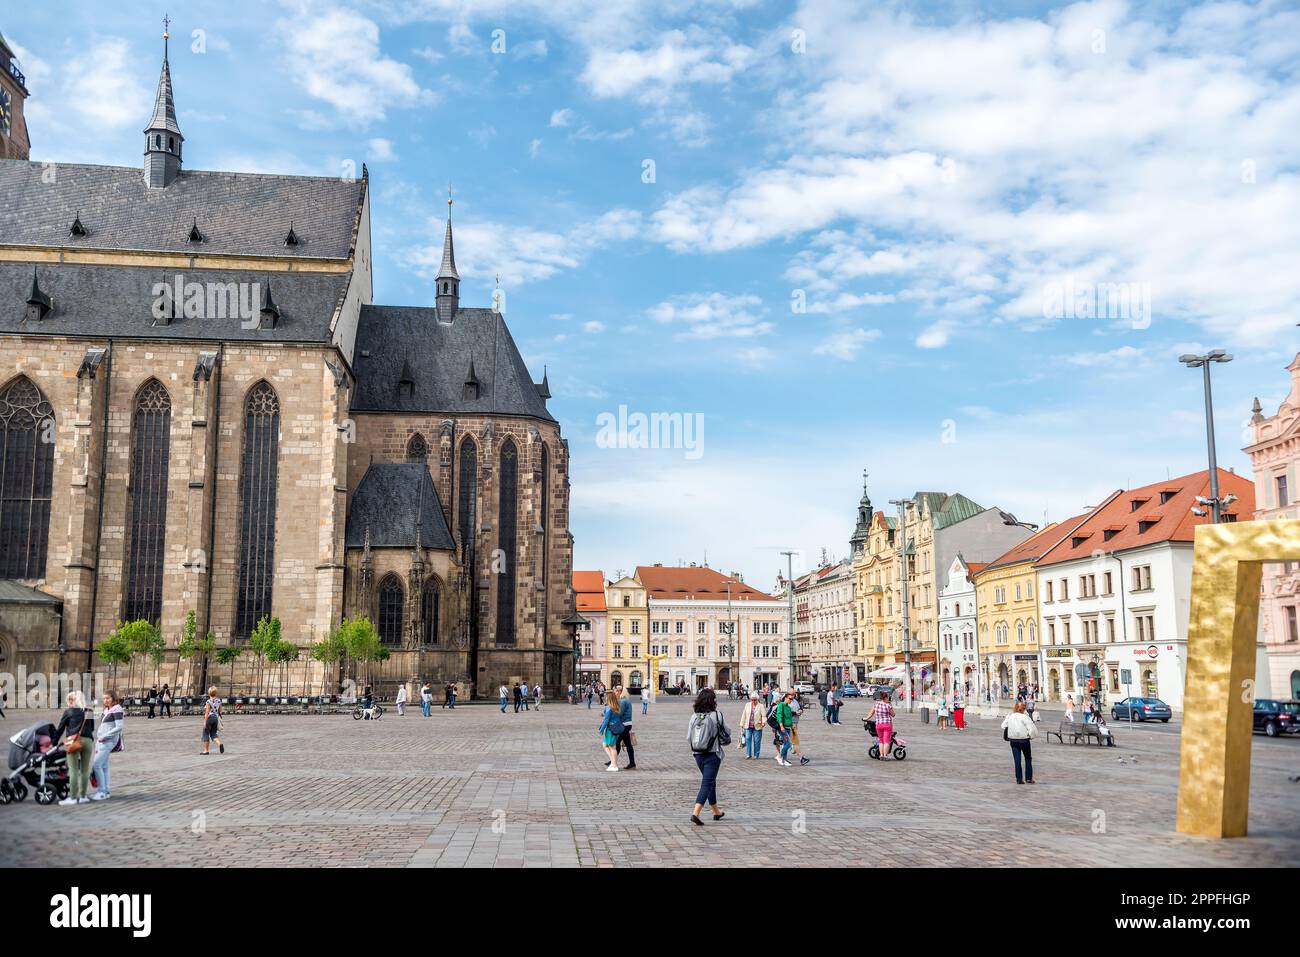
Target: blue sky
[(923, 178)]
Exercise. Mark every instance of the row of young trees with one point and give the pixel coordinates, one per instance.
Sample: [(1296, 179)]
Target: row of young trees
[(354, 639)]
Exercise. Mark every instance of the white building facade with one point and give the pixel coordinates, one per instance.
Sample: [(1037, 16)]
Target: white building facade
[(958, 648), (832, 625)]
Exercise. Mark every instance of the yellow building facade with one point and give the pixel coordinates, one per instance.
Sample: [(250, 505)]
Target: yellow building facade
[(875, 571)]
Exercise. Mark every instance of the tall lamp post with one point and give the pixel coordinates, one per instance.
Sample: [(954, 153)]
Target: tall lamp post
[(574, 622), (789, 592), (730, 649), (902, 504), (1203, 363)]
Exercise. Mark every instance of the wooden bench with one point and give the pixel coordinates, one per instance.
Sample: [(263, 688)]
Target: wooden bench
[(1076, 730)]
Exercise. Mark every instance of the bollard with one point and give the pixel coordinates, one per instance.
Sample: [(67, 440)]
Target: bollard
[(925, 715)]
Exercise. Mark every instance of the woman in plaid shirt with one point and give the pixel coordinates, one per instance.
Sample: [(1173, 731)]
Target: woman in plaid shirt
[(884, 717)]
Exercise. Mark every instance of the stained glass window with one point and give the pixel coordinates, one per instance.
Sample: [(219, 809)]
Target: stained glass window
[(26, 479), (392, 609), (417, 450), (429, 611), (507, 525), (467, 521), (150, 450), (258, 474)]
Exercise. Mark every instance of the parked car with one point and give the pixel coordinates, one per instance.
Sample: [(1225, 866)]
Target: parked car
[(1275, 717), (851, 691), (805, 687), (873, 690), (1144, 709)]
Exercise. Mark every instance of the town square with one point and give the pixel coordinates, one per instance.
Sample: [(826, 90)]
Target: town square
[(481, 435)]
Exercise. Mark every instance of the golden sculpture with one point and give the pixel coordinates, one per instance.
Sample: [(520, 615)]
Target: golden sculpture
[(1214, 773)]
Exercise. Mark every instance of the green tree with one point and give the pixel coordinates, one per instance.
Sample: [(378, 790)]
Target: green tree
[(282, 652), (192, 646), (264, 637), (361, 642), (227, 656), (138, 638), (114, 650), (330, 650)]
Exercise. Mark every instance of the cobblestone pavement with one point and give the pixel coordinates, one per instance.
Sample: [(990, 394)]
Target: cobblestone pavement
[(474, 787)]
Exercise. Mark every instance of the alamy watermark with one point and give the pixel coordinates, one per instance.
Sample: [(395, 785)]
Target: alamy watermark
[(207, 300), (48, 690), (654, 430), (1072, 298)]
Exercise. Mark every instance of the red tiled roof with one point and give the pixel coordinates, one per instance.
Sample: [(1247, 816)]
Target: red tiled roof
[(589, 590), (973, 568), (1115, 525), (699, 582)]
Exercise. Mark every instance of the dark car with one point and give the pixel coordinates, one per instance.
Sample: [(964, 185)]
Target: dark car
[(1144, 709), (1275, 717), (851, 691)]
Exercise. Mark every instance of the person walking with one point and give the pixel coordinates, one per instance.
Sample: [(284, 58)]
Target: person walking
[(524, 695), (591, 695), (943, 721), (626, 739), (570, 696), (1087, 709), (1069, 707), (1018, 729), (504, 694), (108, 738), (80, 726), (645, 700), (797, 708), (783, 721), (707, 735), (1031, 703), (212, 722), (151, 699), (752, 719), (537, 696), (611, 727), (165, 701), (517, 695), (401, 699), (426, 700), (958, 710), (883, 715)]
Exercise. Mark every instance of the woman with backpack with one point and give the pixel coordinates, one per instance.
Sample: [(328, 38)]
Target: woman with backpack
[(78, 723), (610, 729), (708, 735)]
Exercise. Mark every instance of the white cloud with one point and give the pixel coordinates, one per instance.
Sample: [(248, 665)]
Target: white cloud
[(380, 149), (334, 55), (936, 335), (846, 345), (428, 53), (562, 118), (713, 315), (534, 147), (1123, 356), (593, 326), (650, 74), (532, 50)]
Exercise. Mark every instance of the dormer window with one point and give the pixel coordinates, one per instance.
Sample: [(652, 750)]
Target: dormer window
[(195, 236), (1137, 503), (1167, 494), (471, 390), (292, 238), (1078, 540), (76, 229), (1146, 524), (1109, 533)]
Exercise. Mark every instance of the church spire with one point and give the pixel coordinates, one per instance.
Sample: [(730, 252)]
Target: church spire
[(447, 284), (862, 530), (162, 137)]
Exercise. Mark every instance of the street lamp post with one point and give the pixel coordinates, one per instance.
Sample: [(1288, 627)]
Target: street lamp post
[(789, 591), (1203, 363), (730, 649), (902, 504)]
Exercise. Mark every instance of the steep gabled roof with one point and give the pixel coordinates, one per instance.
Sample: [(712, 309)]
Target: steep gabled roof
[(438, 354), (246, 214), (589, 590), (391, 500)]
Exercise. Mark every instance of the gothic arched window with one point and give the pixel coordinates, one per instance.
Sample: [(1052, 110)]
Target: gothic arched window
[(150, 450), (417, 450), (392, 609), (507, 524), (467, 522), (429, 602), (544, 515), (26, 479), (257, 481)]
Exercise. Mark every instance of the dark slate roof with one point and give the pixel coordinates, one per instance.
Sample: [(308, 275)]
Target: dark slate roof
[(16, 593), (439, 356), (105, 301), (391, 500), (164, 109), (238, 213)]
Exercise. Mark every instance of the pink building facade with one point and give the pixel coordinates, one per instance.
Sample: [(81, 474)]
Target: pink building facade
[(1274, 452)]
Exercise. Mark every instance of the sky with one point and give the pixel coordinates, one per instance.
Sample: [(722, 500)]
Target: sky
[(957, 246)]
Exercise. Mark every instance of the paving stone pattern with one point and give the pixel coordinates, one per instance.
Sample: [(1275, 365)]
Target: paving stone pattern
[(476, 788)]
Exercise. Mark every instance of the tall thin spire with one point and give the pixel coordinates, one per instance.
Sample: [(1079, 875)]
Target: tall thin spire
[(447, 284), (162, 137)]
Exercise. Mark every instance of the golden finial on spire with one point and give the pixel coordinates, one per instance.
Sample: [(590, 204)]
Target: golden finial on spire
[(167, 22), (449, 197)]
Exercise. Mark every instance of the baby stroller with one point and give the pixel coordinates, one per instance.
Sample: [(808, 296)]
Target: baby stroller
[(45, 771), (898, 747)]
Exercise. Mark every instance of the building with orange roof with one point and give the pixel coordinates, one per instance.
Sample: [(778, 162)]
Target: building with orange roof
[(710, 627), (589, 599), (1274, 452), (628, 623), (876, 584), (1006, 614), (1114, 593)]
